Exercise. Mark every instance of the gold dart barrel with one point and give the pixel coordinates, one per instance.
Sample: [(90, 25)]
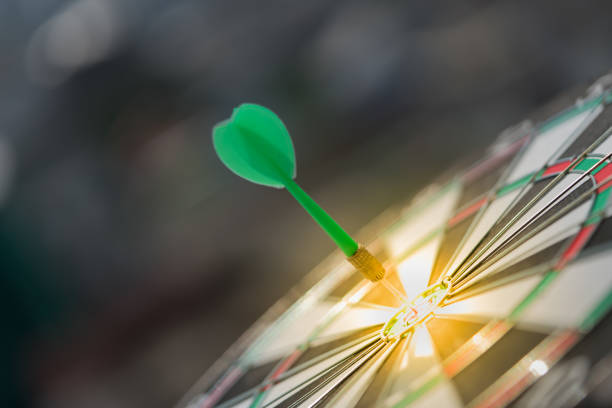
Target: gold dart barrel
[(367, 264)]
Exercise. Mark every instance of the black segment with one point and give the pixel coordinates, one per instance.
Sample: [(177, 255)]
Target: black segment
[(450, 334), (593, 131), (480, 186), (602, 235), (491, 365)]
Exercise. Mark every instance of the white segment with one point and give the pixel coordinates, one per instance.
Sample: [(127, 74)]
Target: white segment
[(557, 231), (573, 294), (417, 226), (414, 270), (545, 144), (496, 303), (293, 333), (604, 147), (482, 225)]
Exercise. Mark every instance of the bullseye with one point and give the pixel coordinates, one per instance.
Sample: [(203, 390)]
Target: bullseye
[(421, 308)]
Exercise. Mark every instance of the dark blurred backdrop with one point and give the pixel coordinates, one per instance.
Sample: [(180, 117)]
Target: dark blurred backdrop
[(131, 258)]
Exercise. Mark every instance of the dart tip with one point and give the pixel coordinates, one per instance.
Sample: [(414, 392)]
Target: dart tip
[(367, 264)]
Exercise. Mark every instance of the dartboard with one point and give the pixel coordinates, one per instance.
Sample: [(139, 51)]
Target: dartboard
[(508, 266)]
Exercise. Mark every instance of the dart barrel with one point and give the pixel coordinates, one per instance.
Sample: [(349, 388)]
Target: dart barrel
[(367, 264)]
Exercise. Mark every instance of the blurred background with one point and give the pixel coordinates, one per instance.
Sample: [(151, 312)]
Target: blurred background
[(131, 258)]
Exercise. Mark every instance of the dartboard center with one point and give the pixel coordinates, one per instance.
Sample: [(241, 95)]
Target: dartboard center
[(417, 311)]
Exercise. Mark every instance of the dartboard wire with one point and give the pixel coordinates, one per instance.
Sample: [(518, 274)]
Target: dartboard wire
[(397, 366), (343, 363), (285, 364), (348, 381), (420, 206), (461, 287), (480, 204), (488, 199), (471, 257), (348, 365), (496, 329), (303, 366), (494, 255), (540, 212), (546, 223), (348, 385)]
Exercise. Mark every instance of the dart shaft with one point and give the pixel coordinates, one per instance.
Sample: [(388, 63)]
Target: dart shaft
[(335, 231)]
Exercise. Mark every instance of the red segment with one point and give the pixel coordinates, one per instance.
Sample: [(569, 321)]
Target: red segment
[(225, 384), (556, 168), (286, 364), (602, 175), (579, 241), (467, 211)]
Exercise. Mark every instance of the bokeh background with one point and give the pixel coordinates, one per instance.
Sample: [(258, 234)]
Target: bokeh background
[(130, 257)]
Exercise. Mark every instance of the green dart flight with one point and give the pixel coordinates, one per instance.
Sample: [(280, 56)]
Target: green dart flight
[(255, 144)]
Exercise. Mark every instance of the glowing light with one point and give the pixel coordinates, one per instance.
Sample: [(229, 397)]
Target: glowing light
[(480, 342), (418, 310), (423, 346), (414, 271), (538, 368)]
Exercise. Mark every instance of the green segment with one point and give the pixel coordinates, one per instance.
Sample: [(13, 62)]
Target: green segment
[(255, 144), (597, 313), (587, 105), (589, 162), (340, 237), (598, 206), (546, 280), (258, 400), (514, 185)]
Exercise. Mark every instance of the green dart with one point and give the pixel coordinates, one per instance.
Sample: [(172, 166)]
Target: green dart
[(255, 144)]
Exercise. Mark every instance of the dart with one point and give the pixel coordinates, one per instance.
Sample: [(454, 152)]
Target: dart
[(255, 144)]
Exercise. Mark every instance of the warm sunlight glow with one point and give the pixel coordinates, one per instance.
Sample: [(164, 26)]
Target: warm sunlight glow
[(423, 346), (414, 271), (418, 310)]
